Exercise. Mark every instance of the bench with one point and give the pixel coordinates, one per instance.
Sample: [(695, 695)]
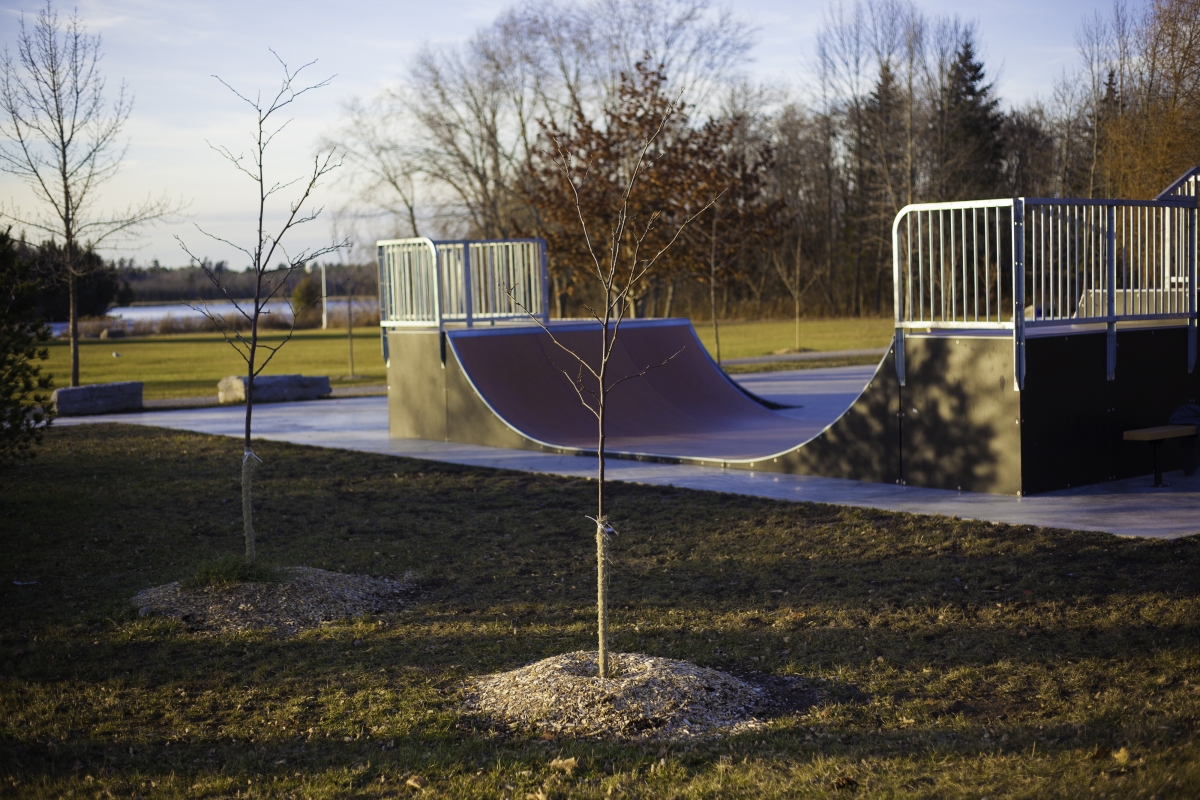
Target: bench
[(1155, 436)]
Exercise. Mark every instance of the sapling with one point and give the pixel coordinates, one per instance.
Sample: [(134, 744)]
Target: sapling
[(266, 249), (617, 269)]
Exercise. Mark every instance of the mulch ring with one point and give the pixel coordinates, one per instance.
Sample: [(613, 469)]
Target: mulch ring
[(304, 598), (647, 698)]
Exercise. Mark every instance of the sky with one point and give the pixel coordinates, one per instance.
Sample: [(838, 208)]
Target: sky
[(167, 54)]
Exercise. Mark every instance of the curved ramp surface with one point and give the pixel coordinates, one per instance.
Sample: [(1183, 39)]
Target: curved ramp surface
[(680, 405)]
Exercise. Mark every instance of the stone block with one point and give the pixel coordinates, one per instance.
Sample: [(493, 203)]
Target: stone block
[(274, 388), (97, 398)]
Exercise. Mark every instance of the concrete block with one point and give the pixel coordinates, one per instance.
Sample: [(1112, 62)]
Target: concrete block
[(97, 398), (274, 388)]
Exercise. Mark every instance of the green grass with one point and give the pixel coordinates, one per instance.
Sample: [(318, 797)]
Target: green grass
[(227, 570), (745, 339), (953, 659), (783, 366), (189, 365)]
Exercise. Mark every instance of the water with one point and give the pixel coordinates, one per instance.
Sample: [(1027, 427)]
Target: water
[(222, 308), (279, 308)]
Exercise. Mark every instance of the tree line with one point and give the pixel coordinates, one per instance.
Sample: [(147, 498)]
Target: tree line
[(900, 108)]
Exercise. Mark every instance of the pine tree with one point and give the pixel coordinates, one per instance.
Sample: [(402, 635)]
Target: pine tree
[(972, 151)]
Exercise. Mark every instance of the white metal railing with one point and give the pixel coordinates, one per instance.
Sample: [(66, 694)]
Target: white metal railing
[(1033, 262), (427, 283)]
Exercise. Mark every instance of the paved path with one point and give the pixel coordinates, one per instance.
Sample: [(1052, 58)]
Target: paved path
[(1128, 508)]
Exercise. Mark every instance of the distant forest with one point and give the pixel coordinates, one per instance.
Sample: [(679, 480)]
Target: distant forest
[(157, 284), (898, 108)]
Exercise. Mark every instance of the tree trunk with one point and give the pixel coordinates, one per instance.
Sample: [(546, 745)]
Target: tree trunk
[(796, 300), (712, 286), (73, 317), (602, 537), (350, 330), (556, 282), (670, 298), (249, 459)]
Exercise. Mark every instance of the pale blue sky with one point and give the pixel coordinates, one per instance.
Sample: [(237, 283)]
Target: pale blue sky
[(167, 52)]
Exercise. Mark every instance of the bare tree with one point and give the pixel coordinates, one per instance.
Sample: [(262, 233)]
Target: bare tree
[(64, 141), (267, 247), (466, 118), (622, 249), (385, 167)]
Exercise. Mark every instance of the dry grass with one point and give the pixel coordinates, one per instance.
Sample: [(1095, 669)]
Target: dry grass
[(951, 658)]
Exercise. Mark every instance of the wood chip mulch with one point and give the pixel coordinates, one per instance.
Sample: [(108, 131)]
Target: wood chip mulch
[(648, 698), (306, 598)]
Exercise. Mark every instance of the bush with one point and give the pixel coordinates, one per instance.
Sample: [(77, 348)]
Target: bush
[(306, 301), (228, 570)]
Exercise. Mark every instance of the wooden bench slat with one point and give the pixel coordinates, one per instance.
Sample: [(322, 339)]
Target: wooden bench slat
[(1159, 433)]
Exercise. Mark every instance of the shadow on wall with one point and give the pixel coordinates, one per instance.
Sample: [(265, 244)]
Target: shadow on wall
[(959, 428)]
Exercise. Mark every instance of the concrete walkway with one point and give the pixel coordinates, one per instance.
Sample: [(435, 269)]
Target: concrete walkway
[(1127, 508)]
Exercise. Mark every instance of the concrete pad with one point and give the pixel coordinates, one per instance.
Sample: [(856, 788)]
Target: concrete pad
[(1125, 508)]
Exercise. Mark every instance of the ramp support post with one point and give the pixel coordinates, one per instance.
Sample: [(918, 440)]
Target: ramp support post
[(1191, 288), (545, 282), (1018, 277), (1110, 278), (898, 344), (468, 294)]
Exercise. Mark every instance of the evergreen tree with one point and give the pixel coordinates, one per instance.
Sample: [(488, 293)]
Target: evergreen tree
[(972, 150), (24, 390)]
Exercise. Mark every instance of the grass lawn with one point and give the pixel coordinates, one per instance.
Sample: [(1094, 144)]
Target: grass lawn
[(951, 658), (744, 339), (188, 365)]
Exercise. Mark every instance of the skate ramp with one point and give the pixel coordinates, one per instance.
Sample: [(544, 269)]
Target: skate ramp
[(680, 405)]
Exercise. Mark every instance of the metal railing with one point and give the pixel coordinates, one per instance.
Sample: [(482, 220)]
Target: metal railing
[(427, 283), (1035, 262)]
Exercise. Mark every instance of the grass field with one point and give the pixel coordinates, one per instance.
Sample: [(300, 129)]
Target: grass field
[(189, 365), (951, 659), (745, 339)]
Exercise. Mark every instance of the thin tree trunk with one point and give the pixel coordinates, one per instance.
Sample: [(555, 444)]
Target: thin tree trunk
[(350, 330), (670, 298), (73, 316), (602, 537), (249, 459), (556, 282), (712, 285)]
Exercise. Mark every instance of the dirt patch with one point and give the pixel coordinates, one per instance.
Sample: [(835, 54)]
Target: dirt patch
[(305, 598), (648, 698)]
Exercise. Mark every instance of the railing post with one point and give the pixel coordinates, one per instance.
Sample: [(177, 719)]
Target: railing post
[(900, 311), (437, 285), (385, 301), (1191, 288), (545, 282), (468, 295), (1018, 250), (1110, 279)]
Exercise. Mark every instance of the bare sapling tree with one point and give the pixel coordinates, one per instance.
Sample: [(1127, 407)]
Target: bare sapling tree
[(267, 247), (64, 141), (617, 267), (794, 283)]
